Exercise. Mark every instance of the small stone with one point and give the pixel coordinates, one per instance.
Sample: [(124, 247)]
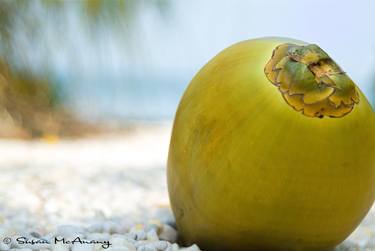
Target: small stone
[(123, 225), (348, 246), (38, 246), (168, 233), (152, 235), (117, 240), (191, 248), (82, 247), (160, 245), (35, 235), (129, 246), (3, 232), (152, 245), (95, 228), (69, 231), (140, 243), (140, 235), (49, 236), (98, 247), (20, 249), (109, 227), (154, 224), (137, 227), (146, 248), (130, 236), (4, 247), (98, 236), (115, 249), (165, 215), (60, 247), (139, 231), (123, 249), (15, 243), (173, 247)]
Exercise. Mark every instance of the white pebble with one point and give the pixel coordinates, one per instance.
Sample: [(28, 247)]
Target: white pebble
[(160, 245), (146, 248), (95, 228), (130, 236), (140, 235), (154, 224), (60, 247), (4, 247), (151, 245), (152, 235), (191, 248), (14, 243), (164, 214), (49, 236), (173, 247), (82, 247), (168, 233), (129, 246), (130, 243), (38, 246), (69, 231), (3, 232), (35, 234), (98, 236), (117, 240), (109, 227), (20, 249), (137, 227), (139, 231), (123, 249)]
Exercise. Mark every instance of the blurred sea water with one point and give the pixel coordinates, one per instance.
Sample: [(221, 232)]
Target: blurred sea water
[(126, 98)]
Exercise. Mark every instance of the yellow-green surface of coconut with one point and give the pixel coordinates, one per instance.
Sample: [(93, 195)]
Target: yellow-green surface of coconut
[(273, 148)]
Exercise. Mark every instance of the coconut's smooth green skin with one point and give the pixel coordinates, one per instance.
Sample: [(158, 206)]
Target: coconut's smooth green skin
[(248, 172)]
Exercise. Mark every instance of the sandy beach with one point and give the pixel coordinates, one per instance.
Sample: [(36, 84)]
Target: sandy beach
[(97, 180)]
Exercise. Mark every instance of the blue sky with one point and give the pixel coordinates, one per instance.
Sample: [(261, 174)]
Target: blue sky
[(196, 30)]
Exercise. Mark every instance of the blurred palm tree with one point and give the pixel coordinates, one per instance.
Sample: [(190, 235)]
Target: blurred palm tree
[(30, 102)]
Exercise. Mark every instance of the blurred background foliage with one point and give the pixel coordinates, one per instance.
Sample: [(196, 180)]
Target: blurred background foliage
[(31, 103), (68, 68)]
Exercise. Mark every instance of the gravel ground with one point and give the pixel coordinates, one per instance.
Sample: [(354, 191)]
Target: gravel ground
[(106, 188)]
